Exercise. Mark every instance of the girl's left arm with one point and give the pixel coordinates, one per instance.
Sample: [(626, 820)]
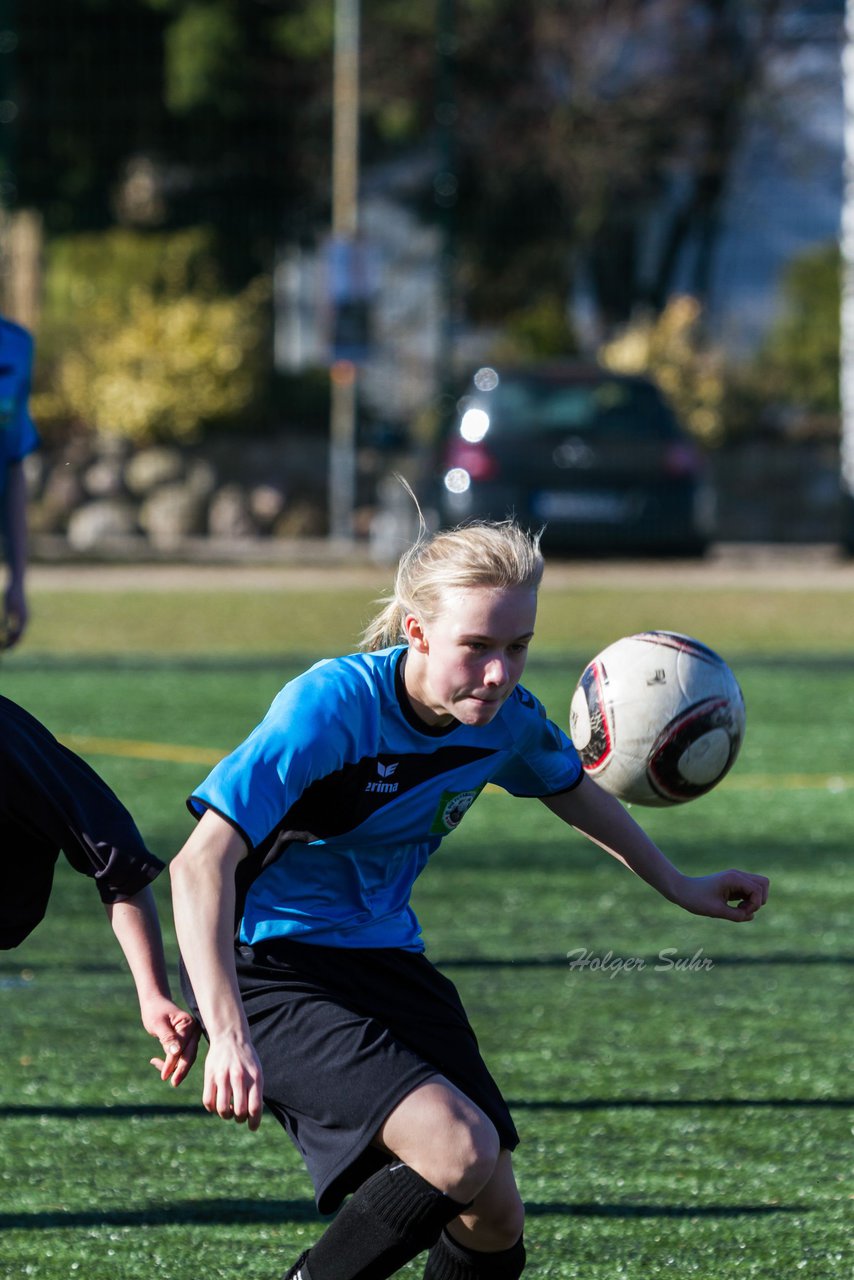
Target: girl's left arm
[(137, 928), (603, 819)]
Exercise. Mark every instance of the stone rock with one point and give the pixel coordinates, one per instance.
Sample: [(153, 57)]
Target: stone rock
[(266, 504), (152, 467), (201, 477), (229, 515), (100, 521), (171, 513), (63, 490), (103, 479), (304, 518)]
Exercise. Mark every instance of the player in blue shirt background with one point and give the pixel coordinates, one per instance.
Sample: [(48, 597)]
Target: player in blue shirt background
[(18, 438), (303, 956)]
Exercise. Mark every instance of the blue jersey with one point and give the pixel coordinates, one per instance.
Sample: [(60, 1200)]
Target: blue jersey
[(342, 794), (18, 436)]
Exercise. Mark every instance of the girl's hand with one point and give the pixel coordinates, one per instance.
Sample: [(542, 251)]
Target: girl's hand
[(178, 1033), (712, 895), (234, 1081)]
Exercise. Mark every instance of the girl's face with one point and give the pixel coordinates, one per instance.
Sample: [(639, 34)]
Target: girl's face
[(466, 661)]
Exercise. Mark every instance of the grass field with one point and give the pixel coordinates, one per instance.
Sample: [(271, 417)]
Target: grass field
[(682, 1085)]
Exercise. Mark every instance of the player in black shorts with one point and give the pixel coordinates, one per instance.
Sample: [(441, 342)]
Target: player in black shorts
[(51, 801), (305, 959)]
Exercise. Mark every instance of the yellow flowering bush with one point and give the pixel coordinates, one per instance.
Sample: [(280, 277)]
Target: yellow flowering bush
[(155, 360), (166, 367), (669, 349)]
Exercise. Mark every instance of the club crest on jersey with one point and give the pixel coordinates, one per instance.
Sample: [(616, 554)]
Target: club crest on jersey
[(453, 807), (382, 784)]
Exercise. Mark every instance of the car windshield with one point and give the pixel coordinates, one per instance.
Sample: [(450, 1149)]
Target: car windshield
[(608, 406)]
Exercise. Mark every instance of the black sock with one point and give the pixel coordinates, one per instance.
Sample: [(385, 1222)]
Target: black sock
[(393, 1216), (450, 1260)]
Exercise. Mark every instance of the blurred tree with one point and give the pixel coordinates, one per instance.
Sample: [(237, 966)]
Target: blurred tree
[(793, 382), (602, 134), (169, 113), (589, 142)]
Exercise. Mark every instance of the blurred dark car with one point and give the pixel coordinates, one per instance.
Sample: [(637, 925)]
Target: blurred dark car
[(597, 458)]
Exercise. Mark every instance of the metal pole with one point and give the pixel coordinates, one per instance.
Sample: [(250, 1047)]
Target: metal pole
[(8, 127), (345, 220), (445, 186), (846, 351)]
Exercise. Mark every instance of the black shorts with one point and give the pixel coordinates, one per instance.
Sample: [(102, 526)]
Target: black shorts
[(343, 1036)]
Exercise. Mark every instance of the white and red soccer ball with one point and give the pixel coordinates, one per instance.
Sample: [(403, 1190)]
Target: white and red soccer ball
[(657, 718)]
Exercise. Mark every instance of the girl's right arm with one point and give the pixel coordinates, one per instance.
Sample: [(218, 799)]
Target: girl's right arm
[(203, 897)]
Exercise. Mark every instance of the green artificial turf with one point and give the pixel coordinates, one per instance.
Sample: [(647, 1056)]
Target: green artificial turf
[(682, 1085)]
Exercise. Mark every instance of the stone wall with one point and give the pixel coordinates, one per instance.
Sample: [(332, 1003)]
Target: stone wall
[(95, 493), (101, 497)]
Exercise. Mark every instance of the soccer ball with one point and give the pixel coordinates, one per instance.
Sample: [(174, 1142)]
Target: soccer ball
[(657, 718)]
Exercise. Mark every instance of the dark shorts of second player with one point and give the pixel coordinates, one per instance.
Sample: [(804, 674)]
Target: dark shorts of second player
[(343, 1035)]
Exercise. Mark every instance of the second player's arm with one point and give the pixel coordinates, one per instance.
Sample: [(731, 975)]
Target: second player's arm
[(605, 821), (203, 897), (137, 928)]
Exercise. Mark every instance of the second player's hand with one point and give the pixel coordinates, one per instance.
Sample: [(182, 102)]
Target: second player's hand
[(234, 1081), (178, 1033), (727, 895)]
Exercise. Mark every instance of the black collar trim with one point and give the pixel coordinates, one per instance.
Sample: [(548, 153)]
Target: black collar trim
[(410, 715)]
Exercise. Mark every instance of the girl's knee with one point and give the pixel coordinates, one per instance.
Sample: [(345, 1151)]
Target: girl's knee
[(510, 1225), (446, 1138), (508, 1228), (494, 1222), (470, 1158)]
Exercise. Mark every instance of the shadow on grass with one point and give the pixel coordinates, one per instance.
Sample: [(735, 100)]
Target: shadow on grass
[(223, 1213), (83, 663), (544, 660), (154, 1111), (15, 980), (562, 1209), (685, 1104), (666, 964), (85, 1111)]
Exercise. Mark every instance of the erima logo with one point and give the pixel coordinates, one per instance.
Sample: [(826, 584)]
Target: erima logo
[(385, 771), (658, 677)]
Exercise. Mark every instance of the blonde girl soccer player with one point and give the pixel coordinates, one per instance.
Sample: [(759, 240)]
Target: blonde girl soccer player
[(303, 955)]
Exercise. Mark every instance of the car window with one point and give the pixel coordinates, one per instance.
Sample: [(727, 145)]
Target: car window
[(609, 407)]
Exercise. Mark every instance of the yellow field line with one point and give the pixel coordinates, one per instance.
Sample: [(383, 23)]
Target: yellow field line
[(164, 752), (170, 753), (790, 782), (832, 782)]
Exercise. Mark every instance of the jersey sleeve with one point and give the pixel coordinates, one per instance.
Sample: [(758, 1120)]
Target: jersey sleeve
[(19, 435), (52, 799), (544, 762), (313, 728)]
